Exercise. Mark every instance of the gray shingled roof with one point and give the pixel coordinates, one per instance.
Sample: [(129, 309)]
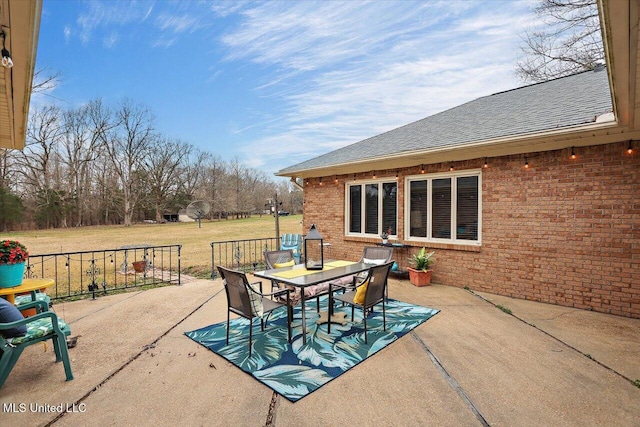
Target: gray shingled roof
[(567, 101)]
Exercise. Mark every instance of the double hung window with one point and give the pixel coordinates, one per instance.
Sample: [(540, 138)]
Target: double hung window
[(444, 207)]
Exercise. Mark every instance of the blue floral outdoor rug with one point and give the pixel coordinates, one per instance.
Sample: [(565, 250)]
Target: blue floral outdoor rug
[(295, 370)]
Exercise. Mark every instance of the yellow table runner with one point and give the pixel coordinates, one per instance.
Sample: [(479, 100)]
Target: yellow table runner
[(339, 263), (299, 272)]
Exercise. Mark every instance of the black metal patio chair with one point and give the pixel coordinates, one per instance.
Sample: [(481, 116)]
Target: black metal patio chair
[(368, 294), (246, 301)]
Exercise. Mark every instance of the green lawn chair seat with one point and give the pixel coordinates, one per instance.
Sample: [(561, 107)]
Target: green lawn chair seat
[(33, 296), (43, 326)]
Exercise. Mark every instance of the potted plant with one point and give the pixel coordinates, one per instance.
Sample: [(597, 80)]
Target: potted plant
[(13, 255), (140, 266), (420, 274), (385, 236)]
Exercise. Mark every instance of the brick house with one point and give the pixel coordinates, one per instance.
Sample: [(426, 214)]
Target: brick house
[(530, 193)]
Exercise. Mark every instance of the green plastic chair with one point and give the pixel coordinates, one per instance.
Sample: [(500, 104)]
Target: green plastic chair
[(22, 300), (43, 326), (293, 242)]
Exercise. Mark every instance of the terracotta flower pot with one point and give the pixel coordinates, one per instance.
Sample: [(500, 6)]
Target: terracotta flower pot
[(140, 266), (420, 277)]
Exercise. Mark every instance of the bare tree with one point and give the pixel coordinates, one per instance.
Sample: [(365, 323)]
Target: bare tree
[(43, 136), (81, 147), (128, 145), (163, 172), (10, 203), (107, 194), (45, 80), (238, 190), (39, 166), (571, 41), (260, 188), (214, 179), (192, 175), (8, 170), (290, 195)]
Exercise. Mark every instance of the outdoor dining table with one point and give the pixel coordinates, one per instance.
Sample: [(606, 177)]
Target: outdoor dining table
[(27, 286), (299, 277)]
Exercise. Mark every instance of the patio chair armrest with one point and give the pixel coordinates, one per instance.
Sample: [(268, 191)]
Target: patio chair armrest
[(51, 314), (259, 283), (340, 286), (267, 294), (40, 306), (277, 293)]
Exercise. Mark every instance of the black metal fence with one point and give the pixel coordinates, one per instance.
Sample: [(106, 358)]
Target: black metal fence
[(245, 255), (103, 271)]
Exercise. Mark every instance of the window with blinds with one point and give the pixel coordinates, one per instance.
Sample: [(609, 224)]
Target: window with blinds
[(444, 207), (355, 209), (372, 207)]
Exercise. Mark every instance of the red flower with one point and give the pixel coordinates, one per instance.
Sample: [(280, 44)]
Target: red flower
[(12, 252)]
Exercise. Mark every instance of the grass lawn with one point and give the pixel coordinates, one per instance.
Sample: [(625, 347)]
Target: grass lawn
[(196, 248)]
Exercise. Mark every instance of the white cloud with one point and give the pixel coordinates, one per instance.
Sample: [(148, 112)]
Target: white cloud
[(164, 42), (105, 14), (111, 40), (348, 70), (177, 24), (333, 72), (67, 33)]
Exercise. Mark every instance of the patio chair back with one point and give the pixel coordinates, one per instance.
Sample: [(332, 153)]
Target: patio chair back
[(377, 278), (376, 285), (382, 254), (278, 257), (372, 255), (235, 285), (237, 288), (293, 242)]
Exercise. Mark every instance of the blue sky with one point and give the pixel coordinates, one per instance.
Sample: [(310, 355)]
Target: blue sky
[(273, 83)]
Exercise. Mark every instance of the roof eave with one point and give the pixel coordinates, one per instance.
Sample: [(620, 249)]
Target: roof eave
[(22, 19), (571, 136)]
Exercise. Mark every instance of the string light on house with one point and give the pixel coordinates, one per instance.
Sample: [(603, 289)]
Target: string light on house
[(526, 163), (7, 62), (451, 167), (421, 168), (321, 181), (335, 179), (486, 165), (630, 149), (573, 153), (396, 173)]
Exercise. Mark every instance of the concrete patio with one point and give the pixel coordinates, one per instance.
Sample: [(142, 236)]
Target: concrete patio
[(472, 364)]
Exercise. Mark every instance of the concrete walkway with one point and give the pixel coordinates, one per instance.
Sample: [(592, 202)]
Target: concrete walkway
[(471, 365)]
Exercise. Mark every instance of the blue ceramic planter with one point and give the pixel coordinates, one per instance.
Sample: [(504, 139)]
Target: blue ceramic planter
[(11, 275)]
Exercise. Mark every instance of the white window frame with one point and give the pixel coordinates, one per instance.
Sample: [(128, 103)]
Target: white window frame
[(347, 206), (454, 201)]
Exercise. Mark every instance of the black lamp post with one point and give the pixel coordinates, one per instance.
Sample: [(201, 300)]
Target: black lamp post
[(313, 250)]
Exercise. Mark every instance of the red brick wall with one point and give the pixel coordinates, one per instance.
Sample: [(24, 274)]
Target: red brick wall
[(563, 231)]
